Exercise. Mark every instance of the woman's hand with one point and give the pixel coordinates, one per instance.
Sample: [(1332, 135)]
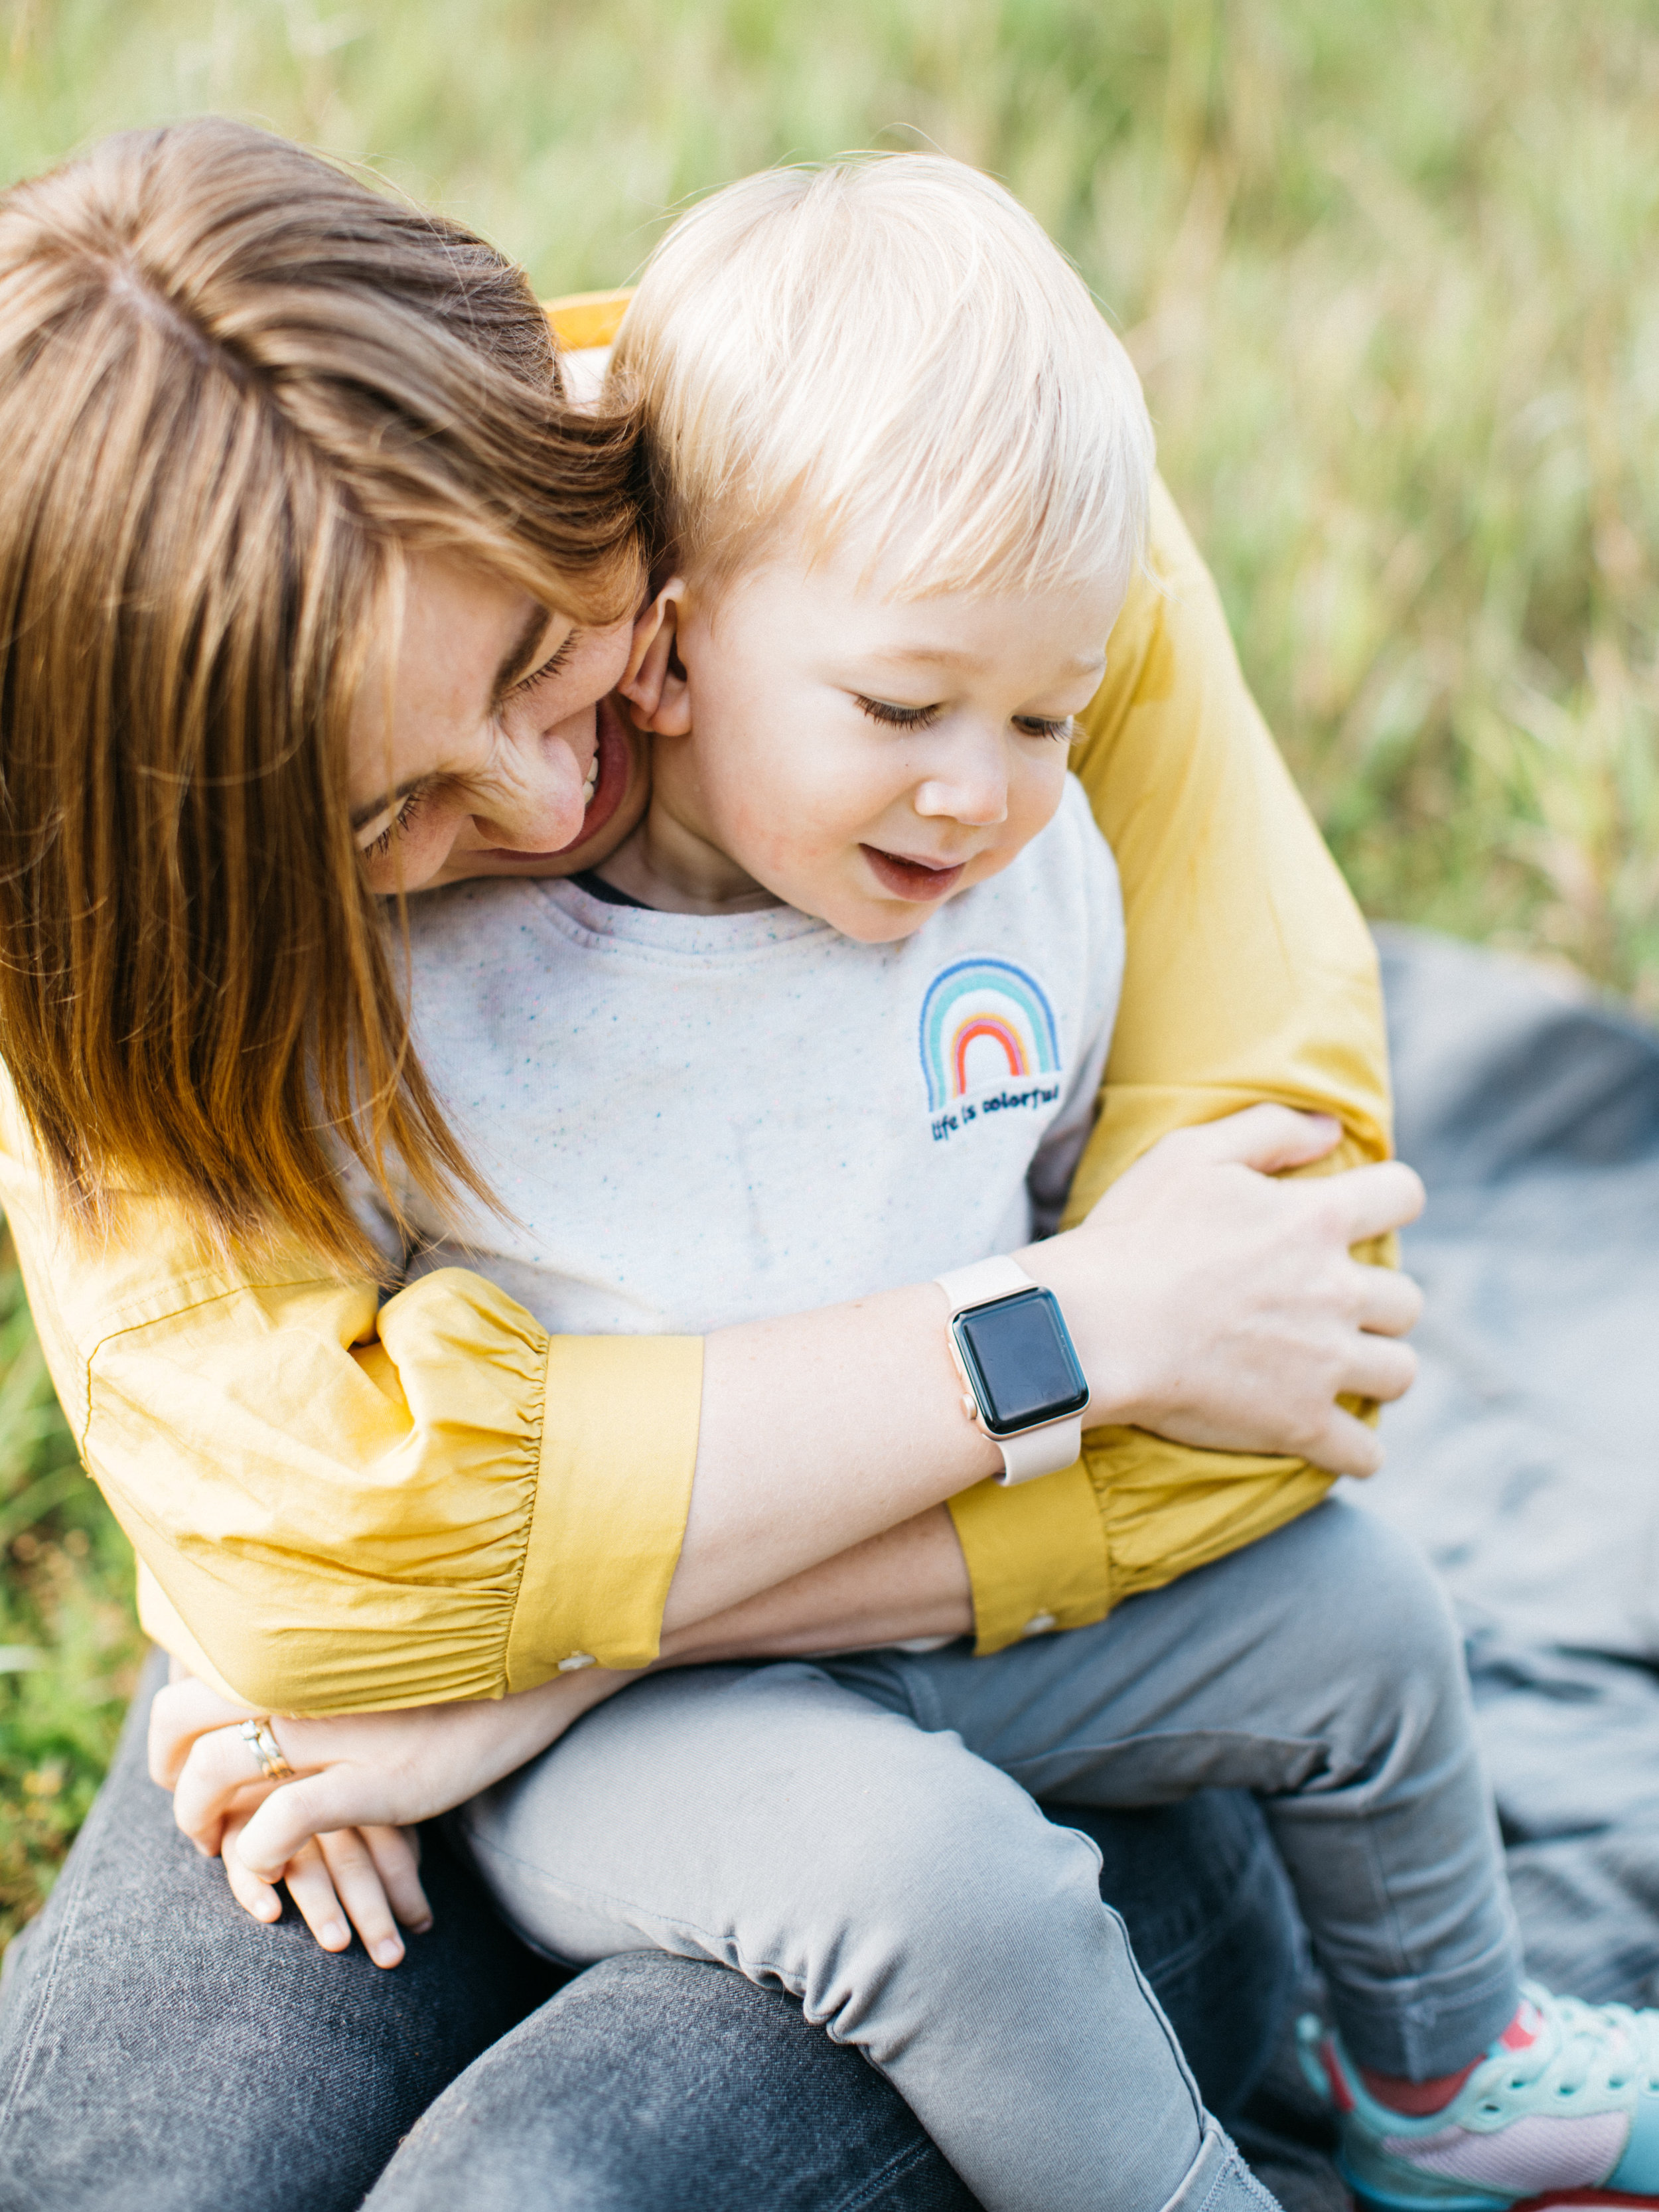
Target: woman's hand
[(336, 1835), (1221, 1308), (366, 1876)]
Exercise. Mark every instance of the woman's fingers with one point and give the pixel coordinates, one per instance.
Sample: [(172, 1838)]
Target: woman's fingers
[(311, 1886), (1390, 1303), (219, 1775), (291, 1816), (357, 1885), (337, 1884), (348, 1878), (1385, 1195), (397, 1855), (1381, 1368), (178, 1715), (252, 1894)]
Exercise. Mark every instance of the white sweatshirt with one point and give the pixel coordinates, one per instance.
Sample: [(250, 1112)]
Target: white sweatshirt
[(696, 1120)]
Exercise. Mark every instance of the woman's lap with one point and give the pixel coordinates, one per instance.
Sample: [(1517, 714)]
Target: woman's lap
[(159, 2049)]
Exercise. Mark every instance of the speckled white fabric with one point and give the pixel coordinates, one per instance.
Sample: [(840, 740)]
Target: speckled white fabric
[(693, 1121)]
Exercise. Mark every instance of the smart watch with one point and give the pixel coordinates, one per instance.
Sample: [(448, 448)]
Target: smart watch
[(1023, 1385)]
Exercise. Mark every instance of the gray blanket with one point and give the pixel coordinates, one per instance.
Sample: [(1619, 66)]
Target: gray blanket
[(1526, 1461), (1527, 1458)]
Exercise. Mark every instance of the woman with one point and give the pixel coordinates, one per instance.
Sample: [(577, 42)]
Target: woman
[(279, 454)]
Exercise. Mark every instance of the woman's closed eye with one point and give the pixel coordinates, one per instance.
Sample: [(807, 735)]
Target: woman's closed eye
[(550, 666), (377, 846)]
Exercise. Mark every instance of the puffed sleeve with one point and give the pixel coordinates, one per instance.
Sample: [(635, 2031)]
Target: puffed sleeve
[(1250, 976), (354, 1503)]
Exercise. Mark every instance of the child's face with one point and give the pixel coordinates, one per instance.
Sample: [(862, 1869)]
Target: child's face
[(862, 758)]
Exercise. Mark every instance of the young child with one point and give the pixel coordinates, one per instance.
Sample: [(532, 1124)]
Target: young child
[(834, 1018)]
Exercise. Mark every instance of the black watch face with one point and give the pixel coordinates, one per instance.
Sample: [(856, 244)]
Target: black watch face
[(1019, 1355)]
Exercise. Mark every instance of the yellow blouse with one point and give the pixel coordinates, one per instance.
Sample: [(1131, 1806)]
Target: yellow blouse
[(339, 1503)]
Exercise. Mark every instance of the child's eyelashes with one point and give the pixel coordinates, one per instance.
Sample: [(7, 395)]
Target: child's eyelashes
[(898, 718), (1062, 729)]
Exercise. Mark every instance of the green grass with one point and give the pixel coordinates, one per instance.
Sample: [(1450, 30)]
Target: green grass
[(1387, 270)]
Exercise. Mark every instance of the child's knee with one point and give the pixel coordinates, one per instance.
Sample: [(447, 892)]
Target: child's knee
[(944, 1839), (1375, 1600)]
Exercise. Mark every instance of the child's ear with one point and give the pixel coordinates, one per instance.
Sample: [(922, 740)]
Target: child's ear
[(654, 683)]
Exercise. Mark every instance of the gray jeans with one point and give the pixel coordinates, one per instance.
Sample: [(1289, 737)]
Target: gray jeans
[(862, 1832), (160, 2051)]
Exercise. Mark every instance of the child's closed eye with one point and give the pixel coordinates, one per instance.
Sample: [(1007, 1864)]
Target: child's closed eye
[(898, 718), (1062, 729)]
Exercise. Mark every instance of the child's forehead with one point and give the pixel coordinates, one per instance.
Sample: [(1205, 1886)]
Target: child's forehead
[(847, 592)]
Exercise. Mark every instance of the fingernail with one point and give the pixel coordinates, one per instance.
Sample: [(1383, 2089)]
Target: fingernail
[(334, 1934), (388, 1953), (420, 1927)]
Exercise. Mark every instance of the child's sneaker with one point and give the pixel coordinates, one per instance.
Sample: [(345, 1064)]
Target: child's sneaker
[(1563, 2109)]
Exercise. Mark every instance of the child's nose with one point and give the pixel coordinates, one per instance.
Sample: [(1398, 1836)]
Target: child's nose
[(976, 793)]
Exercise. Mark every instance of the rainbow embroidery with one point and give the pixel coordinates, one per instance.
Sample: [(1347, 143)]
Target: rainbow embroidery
[(983, 1021)]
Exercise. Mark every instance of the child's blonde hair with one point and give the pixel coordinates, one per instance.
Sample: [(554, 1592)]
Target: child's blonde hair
[(888, 350)]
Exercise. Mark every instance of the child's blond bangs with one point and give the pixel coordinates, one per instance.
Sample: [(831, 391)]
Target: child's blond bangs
[(889, 353)]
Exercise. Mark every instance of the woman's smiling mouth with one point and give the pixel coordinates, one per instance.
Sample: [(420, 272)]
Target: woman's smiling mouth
[(911, 879), (608, 778)]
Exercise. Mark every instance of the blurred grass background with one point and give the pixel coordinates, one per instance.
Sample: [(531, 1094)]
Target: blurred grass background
[(1387, 267)]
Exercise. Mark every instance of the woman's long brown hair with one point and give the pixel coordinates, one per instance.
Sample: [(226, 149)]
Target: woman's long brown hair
[(237, 388)]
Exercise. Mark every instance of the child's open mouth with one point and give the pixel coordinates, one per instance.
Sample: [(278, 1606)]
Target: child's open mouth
[(912, 879)]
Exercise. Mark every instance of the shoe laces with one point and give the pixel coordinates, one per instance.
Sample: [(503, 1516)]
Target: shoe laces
[(1578, 2046)]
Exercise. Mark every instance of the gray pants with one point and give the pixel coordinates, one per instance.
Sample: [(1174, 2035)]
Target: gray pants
[(862, 1831), (161, 2052)]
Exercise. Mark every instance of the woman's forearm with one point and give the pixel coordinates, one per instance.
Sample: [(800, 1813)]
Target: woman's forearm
[(909, 1581), (1208, 1301)]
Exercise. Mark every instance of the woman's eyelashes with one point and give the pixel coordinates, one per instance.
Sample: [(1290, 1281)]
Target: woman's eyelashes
[(378, 847), (1060, 729), (550, 666)]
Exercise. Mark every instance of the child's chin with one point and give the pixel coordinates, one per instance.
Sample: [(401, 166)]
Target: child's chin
[(880, 922)]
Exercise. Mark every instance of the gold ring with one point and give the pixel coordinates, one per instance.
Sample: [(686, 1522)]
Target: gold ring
[(258, 1737)]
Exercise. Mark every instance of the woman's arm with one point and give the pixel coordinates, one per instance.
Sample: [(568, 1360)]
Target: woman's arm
[(1206, 1301), (340, 1504), (355, 1507)]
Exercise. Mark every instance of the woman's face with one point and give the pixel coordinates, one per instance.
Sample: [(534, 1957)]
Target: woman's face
[(487, 745)]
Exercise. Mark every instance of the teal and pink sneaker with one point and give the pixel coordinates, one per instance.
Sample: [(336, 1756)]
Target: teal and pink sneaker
[(1562, 2112)]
